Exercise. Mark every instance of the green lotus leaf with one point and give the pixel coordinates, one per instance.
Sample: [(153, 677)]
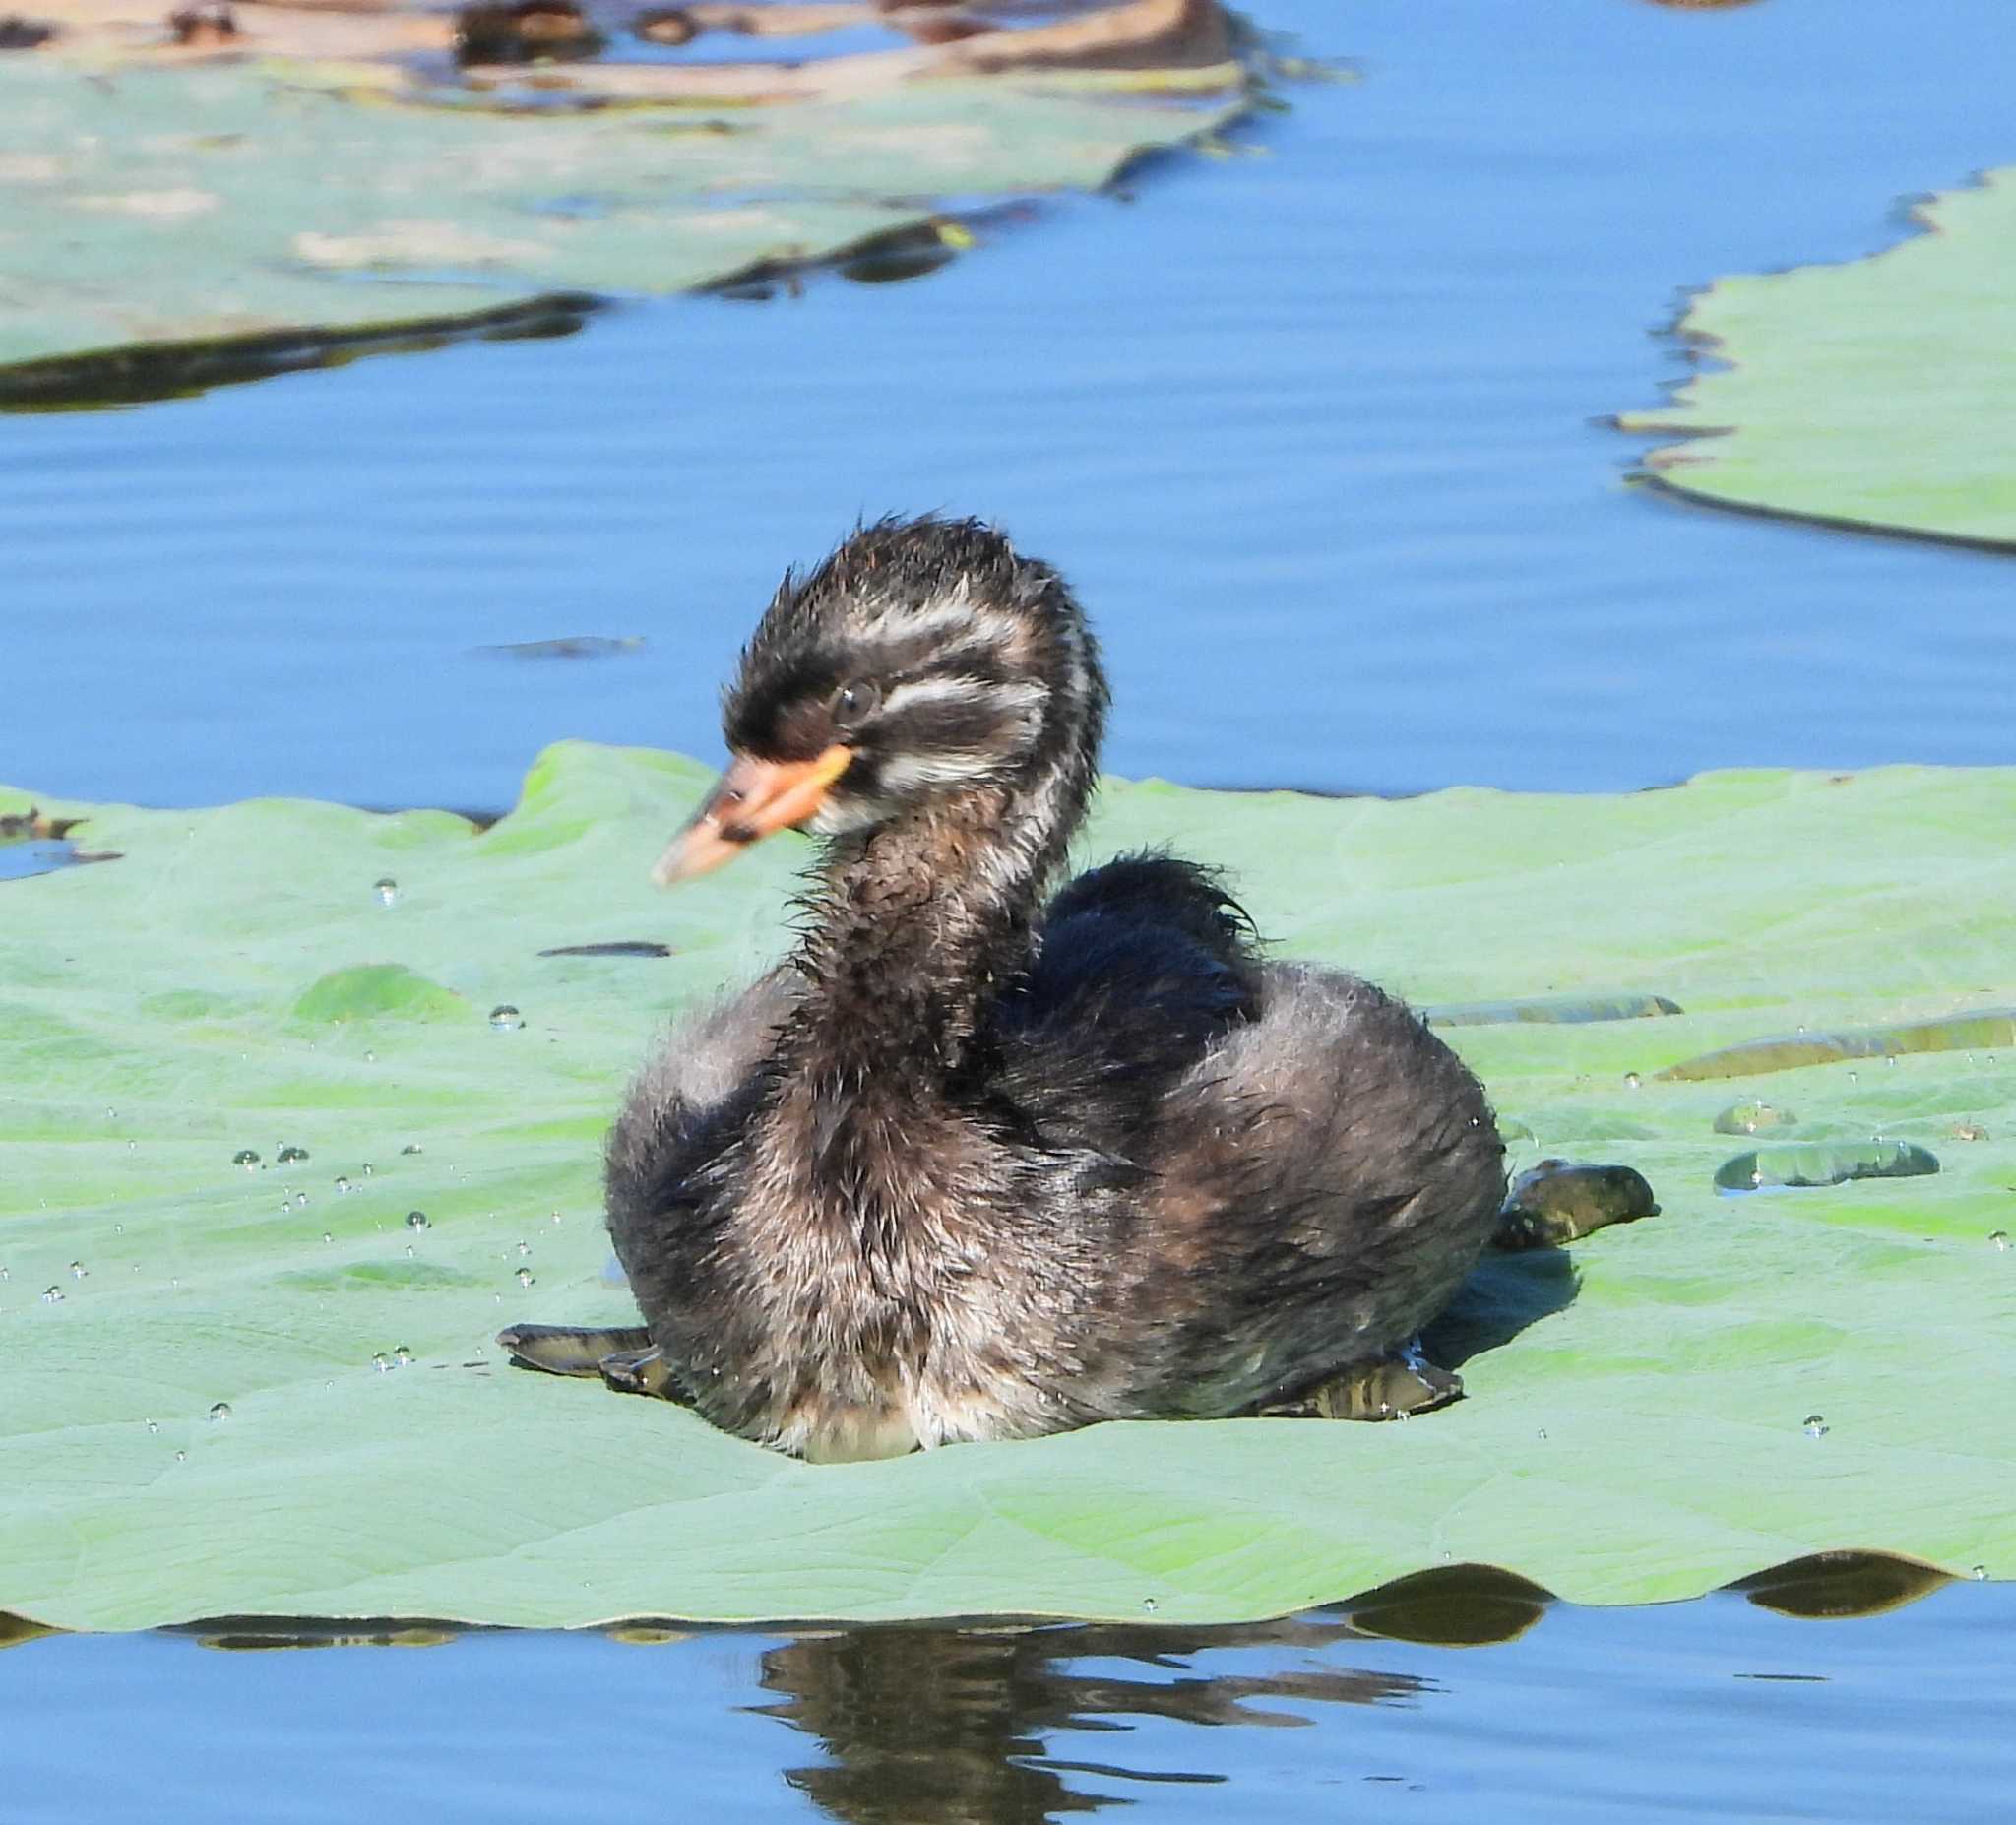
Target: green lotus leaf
[(173, 221), (1634, 1426), (1877, 394)]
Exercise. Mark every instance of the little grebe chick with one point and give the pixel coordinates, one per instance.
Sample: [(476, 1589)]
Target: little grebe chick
[(977, 1162)]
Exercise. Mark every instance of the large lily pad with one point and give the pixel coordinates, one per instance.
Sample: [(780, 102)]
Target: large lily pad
[(330, 177), (236, 982), (1878, 394)]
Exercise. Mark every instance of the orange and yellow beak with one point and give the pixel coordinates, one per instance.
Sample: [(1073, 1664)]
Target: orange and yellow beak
[(750, 801)]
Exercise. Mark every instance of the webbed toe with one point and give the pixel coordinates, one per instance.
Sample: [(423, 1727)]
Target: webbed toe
[(638, 1371), (1388, 1388)]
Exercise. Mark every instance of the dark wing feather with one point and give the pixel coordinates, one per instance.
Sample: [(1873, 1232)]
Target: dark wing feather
[(1154, 891), (1143, 966)]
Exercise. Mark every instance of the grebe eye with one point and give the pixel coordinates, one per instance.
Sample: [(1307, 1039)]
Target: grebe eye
[(853, 702)]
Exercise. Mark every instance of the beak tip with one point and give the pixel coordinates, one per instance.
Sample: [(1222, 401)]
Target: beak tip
[(766, 796)]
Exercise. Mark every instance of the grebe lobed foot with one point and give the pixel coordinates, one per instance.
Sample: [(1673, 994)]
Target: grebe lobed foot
[(1563, 1201), (570, 1348)]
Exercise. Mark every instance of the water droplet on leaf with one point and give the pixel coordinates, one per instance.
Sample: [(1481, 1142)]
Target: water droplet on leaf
[(1825, 1163), (506, 1018)]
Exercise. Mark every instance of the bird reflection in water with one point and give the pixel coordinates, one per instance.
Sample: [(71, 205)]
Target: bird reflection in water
[(940, 1726)]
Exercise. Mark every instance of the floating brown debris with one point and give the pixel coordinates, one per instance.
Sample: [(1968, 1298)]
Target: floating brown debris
[(17, 825), (667, 26), (20, 33), (941, 29), (202, 25), (1155, 45), (524, 31), (50, 837), (1162, 40)]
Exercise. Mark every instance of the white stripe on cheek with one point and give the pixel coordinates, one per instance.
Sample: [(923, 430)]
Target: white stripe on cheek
[(906, 771), (958, 689)]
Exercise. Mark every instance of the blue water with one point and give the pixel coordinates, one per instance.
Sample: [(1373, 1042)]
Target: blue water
[(1311, 428), (1713, 1710)]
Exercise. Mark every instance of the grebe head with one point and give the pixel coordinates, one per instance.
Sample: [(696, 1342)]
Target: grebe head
[(923, 661)]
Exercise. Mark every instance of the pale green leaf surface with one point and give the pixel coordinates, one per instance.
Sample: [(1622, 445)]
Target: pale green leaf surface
[(159, 1013), (1878, 394), (179, 203)]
